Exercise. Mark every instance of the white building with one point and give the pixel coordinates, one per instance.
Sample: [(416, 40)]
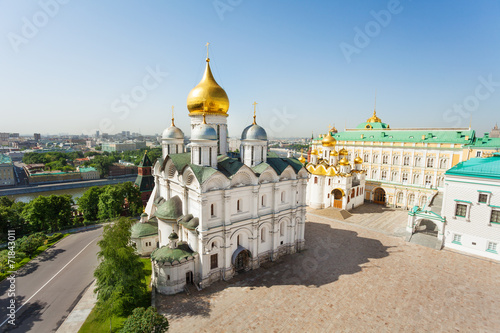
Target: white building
[(219, 215), (471, 207), (334, 182)]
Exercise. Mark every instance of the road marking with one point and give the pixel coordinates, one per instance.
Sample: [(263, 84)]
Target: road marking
[(69, 262)]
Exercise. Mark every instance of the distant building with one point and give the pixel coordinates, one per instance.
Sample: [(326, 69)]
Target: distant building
[(6, 171), (37, 136), (118, 170), (471, 207), (88, 173), (122, 146), (495, 132)]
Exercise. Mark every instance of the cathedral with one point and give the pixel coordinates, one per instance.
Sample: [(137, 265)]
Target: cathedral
[(218, 215), (334, 181)]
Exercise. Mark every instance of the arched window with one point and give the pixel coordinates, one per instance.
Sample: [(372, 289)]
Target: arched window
[(283, 197), (385, 159), (416, 179), (262, 235), (405, 177), (375, 158), (428, 180), (238, 205), (440, 181), (395, 160), (263, 200), (366, 158), (443, 164), (384, 175), (315, 180), (418, 161), (411, 200), (374, 174), (406, 160), (212, 210), (282, 229), (329, 181), (238, 239), (394, 176), (399, 198), (430, 162)]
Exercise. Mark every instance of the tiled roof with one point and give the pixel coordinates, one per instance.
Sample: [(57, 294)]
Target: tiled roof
[(485, 142), (402, 135), (488, 167)]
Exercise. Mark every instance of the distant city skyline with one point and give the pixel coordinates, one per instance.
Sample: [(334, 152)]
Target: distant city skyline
[(77, 67)]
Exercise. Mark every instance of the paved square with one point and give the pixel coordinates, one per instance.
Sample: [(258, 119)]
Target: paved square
[(350, 279)]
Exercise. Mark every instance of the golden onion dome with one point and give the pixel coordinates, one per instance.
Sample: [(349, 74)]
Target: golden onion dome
[(302, 159), (344, 161), (314, 152), (343, 151), (208, 97), (334, 153), (358, 160), (328, 140), (374, 118)]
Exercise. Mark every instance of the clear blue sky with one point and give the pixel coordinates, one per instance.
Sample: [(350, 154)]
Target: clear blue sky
[(289, 56)]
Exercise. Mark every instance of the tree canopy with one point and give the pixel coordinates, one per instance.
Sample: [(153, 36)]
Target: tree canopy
[(119, 277), (145, 321)]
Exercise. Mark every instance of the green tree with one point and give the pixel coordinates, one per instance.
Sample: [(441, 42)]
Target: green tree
[(88, 203), (133, 198), (111, 202), (119, 277), (29, 244), (102, 164), (145, 321), (49, 213)]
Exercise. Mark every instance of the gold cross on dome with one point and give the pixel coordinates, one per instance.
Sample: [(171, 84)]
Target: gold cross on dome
[(172, 115), (254, 110), (207, 47)]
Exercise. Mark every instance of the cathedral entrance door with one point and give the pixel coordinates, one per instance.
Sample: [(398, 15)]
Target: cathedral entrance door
[(337, 198), (242, 261), (379, 196)]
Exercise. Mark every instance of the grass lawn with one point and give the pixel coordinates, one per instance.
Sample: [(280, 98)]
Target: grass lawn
[(95, 325), (35, 254)]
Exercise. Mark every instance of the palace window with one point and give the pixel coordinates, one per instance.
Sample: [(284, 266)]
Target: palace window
[(495, 216), (492, 247), (399, 198), (478, 154), (366, 158), (394, 176), (375, 158), (416, 179), (443, 164), (461, 210), (214, 261), (385, 159), (374, 174), (440, 181), (405, 177), (395, 160), (483, 198), (430, 162), (457, 239), (411, 200), (418, 161), (384, 175), (428, 180), (406, 160)]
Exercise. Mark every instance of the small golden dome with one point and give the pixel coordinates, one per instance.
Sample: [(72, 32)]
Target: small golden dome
[(343, 151), (328, 140), (374, 118), (208, 96), (314, 152), (334, 153), (302, 159), (358, 160), (344, 161), (319, 171)]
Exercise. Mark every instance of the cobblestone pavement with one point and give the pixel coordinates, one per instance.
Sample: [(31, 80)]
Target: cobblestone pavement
[(391, 221), (349, 279)]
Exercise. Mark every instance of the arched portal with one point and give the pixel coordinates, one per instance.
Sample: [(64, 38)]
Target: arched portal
[(337, 198), (427, 227), (241, 259), (379, 196)]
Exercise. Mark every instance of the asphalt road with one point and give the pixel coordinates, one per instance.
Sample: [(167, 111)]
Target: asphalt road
[(50, 286)]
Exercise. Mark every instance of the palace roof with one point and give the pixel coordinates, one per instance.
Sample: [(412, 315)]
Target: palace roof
[(483, 167)]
